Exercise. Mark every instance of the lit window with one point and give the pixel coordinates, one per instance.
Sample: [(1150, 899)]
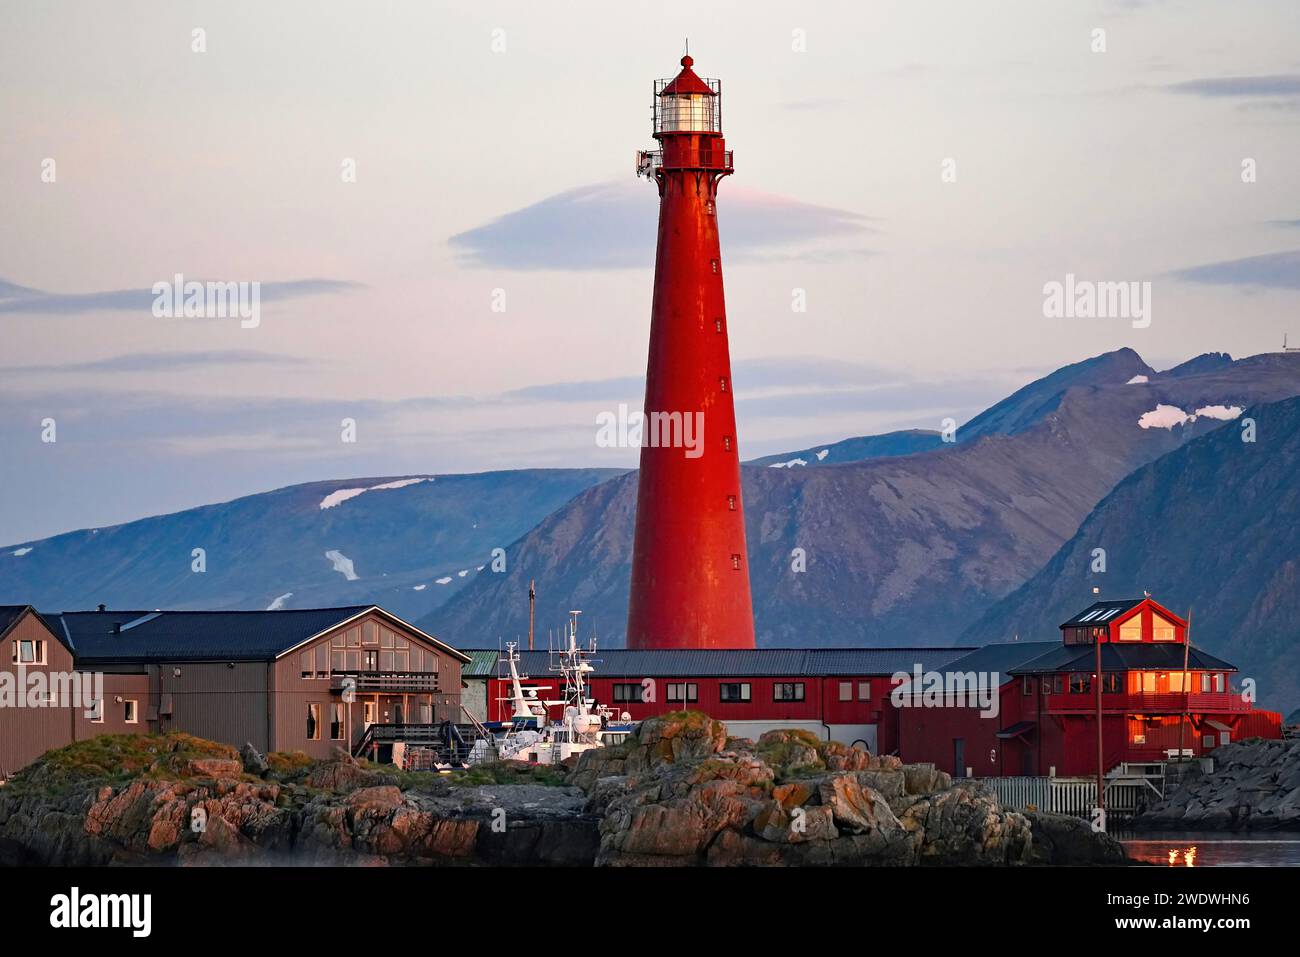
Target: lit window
[(726, 443), (735, 562), (1162, 630), (717, 325), (722, 383), (1131, 630), (731, 502)]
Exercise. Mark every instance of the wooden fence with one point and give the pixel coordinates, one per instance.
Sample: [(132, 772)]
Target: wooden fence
[(1125, 796)]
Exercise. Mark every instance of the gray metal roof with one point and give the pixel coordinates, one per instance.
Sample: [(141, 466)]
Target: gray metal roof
[(195, 635), (1101, 612), (724, 663), (1001, 657), (1116, 657)]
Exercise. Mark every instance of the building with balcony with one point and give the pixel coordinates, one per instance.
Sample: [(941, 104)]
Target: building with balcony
[(1159, 696), (308, 680)]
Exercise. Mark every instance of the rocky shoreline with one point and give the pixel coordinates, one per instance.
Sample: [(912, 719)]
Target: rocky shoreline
[(1254, 786), (679, 792)]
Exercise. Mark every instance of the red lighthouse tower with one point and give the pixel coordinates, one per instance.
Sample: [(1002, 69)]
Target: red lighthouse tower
[(690, 572)]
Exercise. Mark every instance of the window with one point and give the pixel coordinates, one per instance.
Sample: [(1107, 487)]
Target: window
[(735, 561), (29, 652), (1162, 630), (1139, 737), (731, 503), (685, 691), (864, 690), (1207, 741), (336, 721), (717, 325), (713, 264), (1131, 630), (369, 633), (627, 692), (1080, 683), (370, 660), (426, 713), (97, 711), (130, 711), (1053, 684), (722, 383), (306, 664), (787, 691), (733, 691), (726, 443), (313, 722), (1026, 686), (1112, 683), (708, 208), (846, 690)]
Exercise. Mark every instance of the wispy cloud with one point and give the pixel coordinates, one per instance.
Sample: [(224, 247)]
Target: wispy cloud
[(161, 362), (1278, 85), (1270, 271), (612, 226), (20, 300)]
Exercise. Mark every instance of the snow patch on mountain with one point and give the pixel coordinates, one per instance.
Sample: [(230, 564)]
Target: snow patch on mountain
[(278, 603), (419, 587), (1137, 380), (788, 465), (1163, 417), (339, 496), (1225, 412), (20, 552), (342, 564), (444, 581), (821, 456)]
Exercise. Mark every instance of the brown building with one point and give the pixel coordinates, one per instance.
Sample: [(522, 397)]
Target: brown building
[(296, 680)]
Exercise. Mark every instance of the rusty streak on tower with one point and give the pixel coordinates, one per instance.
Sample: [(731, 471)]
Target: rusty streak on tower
[(690, 571)]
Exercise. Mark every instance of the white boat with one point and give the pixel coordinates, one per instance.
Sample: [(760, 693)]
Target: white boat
[(535, 735)]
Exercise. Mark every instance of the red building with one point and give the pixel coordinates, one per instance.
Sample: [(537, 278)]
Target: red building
[(690, 573), (1046, 714), (839, 694)]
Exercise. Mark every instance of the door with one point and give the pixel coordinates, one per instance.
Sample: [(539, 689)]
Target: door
[(368, 709), (959, 757)]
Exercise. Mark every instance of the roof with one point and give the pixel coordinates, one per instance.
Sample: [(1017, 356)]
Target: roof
[(204, 635), (1116, 657), (1001, 657), (9, 615), (728, 663), (1102, 611), (687, 81)]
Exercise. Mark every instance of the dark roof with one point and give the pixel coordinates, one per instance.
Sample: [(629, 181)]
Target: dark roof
[(1000, 658), (1016, 730), (1100, 612), (9, 614), (1116, 657), (728, 663), (196, 635)]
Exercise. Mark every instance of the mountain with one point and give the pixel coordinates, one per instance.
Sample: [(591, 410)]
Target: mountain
[(1206, 362), (1212, 528), (900, 550), (1026, 407), (389, 540), (906, 442)]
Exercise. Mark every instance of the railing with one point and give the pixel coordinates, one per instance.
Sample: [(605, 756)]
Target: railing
[(391, 681), (1220, 702), (682, 157), (1076, 797)]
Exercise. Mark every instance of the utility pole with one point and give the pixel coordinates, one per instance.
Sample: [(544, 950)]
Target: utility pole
[(1187, 703), (532, 604)]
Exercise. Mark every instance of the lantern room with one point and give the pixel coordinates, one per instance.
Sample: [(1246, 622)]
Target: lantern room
[(687, 103)]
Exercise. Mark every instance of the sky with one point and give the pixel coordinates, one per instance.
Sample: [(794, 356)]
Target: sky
[(438, 202)]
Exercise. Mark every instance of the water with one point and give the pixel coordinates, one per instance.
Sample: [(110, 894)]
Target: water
[(1212, 848)]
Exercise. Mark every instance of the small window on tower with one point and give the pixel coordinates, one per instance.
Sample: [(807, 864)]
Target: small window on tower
[(722, 383), (708, 208), (717, 325), (735, 561), (726, 443), (713, 263), (731, 502)]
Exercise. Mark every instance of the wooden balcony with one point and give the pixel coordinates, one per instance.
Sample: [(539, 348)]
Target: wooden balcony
[(387, 682), (1174, 702)]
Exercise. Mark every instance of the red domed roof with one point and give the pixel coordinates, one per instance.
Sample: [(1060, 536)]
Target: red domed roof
[(687, 82)]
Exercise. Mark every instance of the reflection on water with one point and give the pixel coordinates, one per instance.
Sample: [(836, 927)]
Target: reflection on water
[(1212, 848)]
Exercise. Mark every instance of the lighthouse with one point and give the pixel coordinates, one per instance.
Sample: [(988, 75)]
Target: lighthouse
[(690, 569)]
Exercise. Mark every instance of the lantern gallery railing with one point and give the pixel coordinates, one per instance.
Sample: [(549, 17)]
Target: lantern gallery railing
[(706, 157)]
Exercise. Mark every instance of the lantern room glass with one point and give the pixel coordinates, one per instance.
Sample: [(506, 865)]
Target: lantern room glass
[(687, 113)]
